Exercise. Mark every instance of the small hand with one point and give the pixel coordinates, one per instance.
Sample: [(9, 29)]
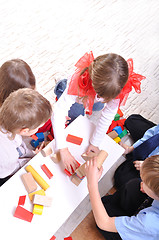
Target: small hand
[(92, 148), (138, 164), (38, 149), (68, 160)]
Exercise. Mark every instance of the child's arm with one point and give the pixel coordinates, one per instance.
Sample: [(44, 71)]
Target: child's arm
[(127, 148), (102, 219)]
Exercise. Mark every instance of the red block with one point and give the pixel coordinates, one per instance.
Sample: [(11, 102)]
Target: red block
[(46, 171), (74, 139), (23, 214), (22, 200), (120, 112), (50, 137), (34, 137), (67, 172), (53, 238), (68, 238)]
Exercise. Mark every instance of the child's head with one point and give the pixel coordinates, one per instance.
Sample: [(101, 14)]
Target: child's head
[(24, 111), (150, 176), (109, 74), (15, 74)]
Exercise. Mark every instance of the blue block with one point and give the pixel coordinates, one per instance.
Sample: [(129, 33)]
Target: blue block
[(34, 143), (118, 129), (40, 136)]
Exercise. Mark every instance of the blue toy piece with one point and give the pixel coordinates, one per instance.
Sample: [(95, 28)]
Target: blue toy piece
[(40, 136), (118, 129), (34, 143)]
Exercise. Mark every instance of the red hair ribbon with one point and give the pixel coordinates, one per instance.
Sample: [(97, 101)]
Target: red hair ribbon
[(134, 80)]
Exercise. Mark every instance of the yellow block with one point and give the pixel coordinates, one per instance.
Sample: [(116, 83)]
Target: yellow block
[(37, 177), (117, 139), (38, 209), (39, 192)]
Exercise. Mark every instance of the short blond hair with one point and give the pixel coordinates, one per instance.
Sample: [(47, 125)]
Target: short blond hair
[(24, 108), (150, 173)]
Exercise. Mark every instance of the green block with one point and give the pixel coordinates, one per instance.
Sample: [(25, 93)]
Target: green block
[(124, 132), (117, 117)]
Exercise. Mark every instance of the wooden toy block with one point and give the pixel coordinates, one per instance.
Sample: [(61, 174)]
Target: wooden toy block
[(39, 192), (124, 132), (113, 134), (34, 143), (56, 157), (117, 139), (68, 238), (40, 136), (67, 172), (22, 200), (23, 214), (46, 171), (50, 137), (74, 139), (42, 200), (46, 151), (29, 182), (120, 112), (117, 117), (81, 171), (53, 238), (38, 209), (75, 179), (88, 156), (34, 137), (118, 129), (37, 177)]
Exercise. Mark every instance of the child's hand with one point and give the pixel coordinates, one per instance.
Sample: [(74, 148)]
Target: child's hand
[(138, 164), (92, 148), (127, 148), (38, 149), (68, 160), (93, 174)]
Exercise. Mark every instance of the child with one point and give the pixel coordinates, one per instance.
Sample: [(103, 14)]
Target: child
[(120, 226), (21, 114), (145, 147), (101, 80), (16, 74)]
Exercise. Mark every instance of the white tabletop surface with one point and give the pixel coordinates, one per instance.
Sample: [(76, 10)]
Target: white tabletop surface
[(65, 195)]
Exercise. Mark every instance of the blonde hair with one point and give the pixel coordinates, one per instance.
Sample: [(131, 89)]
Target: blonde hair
[(109, 74), (150, 173), (24, 108), (15, 74)]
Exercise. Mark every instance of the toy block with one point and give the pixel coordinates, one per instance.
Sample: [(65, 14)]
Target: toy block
[(46, 151), (118, 129), (37, 177), (50, 137), (39, 192), (117, 139), (22, 200), (38, 209), (120, 112), (34, 137), (124, 132), (40, 136), (101, 158), (56, 157), (53, 238), (67, 172), (23, 214), (88, 156), (68, 238), (46, 171), (75, 179), (42, 200), (81, 171), (117, 117), (34, 143), (113, 134), (29, 182), (74, 139)]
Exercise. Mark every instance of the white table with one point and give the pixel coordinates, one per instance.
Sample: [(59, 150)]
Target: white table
[(66, 196)]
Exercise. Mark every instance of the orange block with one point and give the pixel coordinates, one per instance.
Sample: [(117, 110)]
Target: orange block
[(74, 139), (120, 112), (23, 214)]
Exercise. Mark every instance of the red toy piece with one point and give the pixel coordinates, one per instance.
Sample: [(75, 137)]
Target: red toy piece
[(34, 137), (74, 139), (22, 200), (53, 238), (68, 238), (47, 171), (120, 112), (68, 173), (23, 214)]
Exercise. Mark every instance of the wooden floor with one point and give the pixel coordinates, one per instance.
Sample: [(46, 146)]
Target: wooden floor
[(87, 230)]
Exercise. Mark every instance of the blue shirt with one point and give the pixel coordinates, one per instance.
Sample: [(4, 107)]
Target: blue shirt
[(145, 225), (149, 133)]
